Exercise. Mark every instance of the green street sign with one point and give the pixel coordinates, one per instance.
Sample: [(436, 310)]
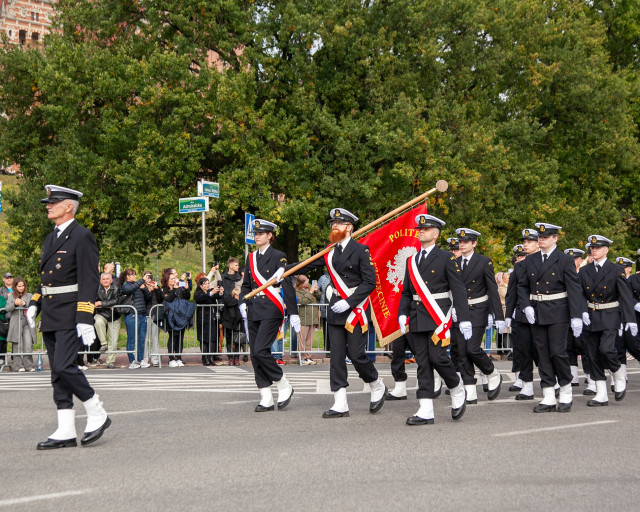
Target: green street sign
[(193, 204), (208, 189)]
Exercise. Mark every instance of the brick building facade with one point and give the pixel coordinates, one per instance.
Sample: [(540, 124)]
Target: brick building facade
[(25, 21)]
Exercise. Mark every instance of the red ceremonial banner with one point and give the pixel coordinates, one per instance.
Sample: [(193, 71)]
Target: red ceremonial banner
[(390, 246)]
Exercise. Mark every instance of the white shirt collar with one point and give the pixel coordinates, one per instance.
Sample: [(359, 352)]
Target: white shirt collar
[(547, 253), (344, 243), (468, 258), (261, 252), (64, 226), (427, 250)]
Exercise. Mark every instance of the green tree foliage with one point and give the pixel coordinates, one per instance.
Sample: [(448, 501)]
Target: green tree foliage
[(520, 106)]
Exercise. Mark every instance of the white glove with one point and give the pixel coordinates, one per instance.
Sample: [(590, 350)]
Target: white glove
[(585, 318), (490, 321), (632, 327), (530, 314), (507, 324), (513, 315), (402, 322), (294, 320), (32, 312), (500, 325), (340, 307), (466, 330), (620, 330), (637, 307), (576, 326), (278, 275), (243, 310), (86, 332), (454, 317)]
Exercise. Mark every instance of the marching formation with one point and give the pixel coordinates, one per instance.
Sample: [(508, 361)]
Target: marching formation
[(559, 305)]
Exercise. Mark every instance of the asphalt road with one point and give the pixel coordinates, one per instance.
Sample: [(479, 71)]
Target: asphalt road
[(188, 439)]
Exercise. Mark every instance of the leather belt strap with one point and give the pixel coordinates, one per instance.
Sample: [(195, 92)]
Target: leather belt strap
[(606, 305), (478, 300), (436, 296), (552, 296), (55, 290)]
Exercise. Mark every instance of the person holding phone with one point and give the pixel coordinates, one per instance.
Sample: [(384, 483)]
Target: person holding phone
[(308, 297), (232, 280), (207, 330)]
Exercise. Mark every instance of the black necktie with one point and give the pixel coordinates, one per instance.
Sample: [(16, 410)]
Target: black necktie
[(597, 268), (423, 256), (56, 232), (464, 263), (259, 255), (544, 258), (338, 251)]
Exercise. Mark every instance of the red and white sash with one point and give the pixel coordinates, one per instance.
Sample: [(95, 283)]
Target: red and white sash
[(272, 293), (442, 321), (358, 314)]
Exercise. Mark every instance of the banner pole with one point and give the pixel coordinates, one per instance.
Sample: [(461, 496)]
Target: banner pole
[(441, 186)]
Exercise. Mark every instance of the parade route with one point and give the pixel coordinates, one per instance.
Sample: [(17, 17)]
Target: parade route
[(189, 440)]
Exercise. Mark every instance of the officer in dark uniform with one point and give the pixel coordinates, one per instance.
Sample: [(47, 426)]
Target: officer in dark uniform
[(517, 324), (454, 246), (626, 342), (575, 345), (484, 307), (399, 348), (609, 302), (353, 278), (439, 275), (549, 293), (264, 314), (68, 283)]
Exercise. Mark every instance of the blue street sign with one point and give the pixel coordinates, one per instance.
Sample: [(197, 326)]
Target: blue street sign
[(248, 229)]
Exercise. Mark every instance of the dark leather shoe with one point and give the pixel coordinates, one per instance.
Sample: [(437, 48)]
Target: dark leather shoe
[(389, 396), (575, 384), (544, 408), (472, 402), (485, 388), (588, 392), (52, 444), (564, 407), (447, 392), (513, 388), (521, 396), (456, 414), (90, 437), (374, 407), (438, 393), (262, 408), (620, 396), (417, 420), (284, 403), (595, 403), (613, 388), (335, 414), (493, 394)]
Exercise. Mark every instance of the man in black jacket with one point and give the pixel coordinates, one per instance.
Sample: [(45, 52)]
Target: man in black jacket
[(107, 320), (485, 307)]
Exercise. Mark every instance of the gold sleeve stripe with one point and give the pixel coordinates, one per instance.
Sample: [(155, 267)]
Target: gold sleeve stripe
[(36, 297), (86, 307)]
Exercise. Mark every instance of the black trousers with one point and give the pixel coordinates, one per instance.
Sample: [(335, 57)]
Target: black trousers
[(430, 356), (625, 343), (525, 353), (601, 346), (66, 378), (175, 343), (550, 342), (353, 344), (471, 353), (399, 348), (262, 334)]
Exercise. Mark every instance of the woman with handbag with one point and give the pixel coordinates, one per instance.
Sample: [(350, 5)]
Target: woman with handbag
[(172, 289), (20, 335)]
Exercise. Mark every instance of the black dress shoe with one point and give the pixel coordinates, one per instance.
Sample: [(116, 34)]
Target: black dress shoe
[(513, 388), (493, 394), (456, 414), (284, 403), (564, 407), (262, 408), (389, 396), (335, 414), (620, 396), (437, 393), (471, 402), (376, 406), (575, 384), (447, 392), (52, 444), (613, 388), (595, 403), (521, 396), (417, 420), (544, 408), (485, 388), (90, 437), (558, 393), (588, 392)]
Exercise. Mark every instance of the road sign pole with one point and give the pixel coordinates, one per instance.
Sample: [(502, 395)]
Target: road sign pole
[(204, 241)]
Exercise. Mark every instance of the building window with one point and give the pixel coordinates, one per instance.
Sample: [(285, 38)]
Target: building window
[(22, 36), (37, 16), (34, 37), (33, 16)]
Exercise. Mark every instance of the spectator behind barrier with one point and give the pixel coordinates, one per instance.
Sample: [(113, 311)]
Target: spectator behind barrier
[(107, 320), (137, 289), (309, 316), (207, 318), (171, 290), (4, 292), (20, 335), (152, 340), (233, 328)]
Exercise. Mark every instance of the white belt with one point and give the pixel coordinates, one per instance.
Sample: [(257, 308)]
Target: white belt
[(606, 305), (478, 300), (553, 296), (331, 290), (436, 296), (55, 290)]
